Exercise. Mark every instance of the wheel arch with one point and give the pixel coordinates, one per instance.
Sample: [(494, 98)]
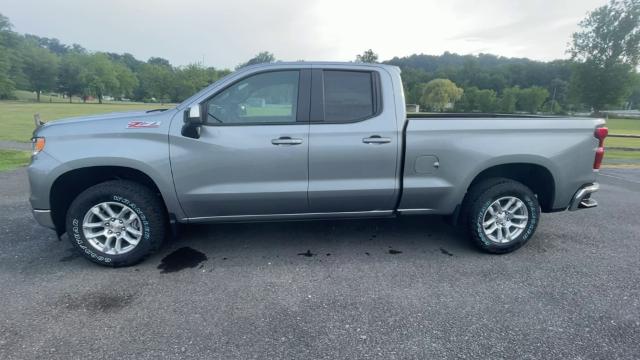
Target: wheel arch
[(539, 178), (70, 184)]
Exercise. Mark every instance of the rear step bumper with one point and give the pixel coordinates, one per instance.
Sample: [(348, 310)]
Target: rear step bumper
[(582, 199)]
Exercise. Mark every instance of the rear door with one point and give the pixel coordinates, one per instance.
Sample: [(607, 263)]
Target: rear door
[(353, 141), (252, 155)]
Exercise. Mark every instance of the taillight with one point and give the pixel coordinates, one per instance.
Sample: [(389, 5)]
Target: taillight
[(600, 134)]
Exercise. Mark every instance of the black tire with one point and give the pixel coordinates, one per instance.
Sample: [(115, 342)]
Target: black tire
[(478, 200), (146, 204)]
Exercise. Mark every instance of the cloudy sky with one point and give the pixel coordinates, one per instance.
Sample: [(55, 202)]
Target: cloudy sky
[(225, 33)]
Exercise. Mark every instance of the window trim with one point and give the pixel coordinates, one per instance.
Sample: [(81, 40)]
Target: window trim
[(302, 107), (317, 114)]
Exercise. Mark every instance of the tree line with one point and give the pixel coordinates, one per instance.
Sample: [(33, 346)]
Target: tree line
[(600, 74), (39, 64)]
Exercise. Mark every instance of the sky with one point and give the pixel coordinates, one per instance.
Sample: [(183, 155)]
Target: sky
[(225, 33)]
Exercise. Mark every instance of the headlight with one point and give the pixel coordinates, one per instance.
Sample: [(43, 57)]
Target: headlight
[(38, 144)]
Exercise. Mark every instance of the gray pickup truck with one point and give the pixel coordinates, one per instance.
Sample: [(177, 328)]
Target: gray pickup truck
[(292, 141)]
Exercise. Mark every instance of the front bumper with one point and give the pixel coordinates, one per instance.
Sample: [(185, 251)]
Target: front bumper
[(43, 217), (582, 199)]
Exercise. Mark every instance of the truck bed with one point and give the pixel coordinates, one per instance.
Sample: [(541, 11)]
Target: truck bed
[(443, 155)]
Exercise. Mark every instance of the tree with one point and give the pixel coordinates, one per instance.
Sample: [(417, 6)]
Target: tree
[(531, 99), (72, 75), (610, 34), (159, 61), (127, 81), (6, 84), (473, 99), (599, 87), (367, 57), (607, 50), (262, 57), (439, 94), (633, 102), (509, 99), (192, 78), (156, 81), (40, 68), (101, 77)]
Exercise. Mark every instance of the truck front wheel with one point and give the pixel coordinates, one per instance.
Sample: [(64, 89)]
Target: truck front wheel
[(500, 215), (116, 223)]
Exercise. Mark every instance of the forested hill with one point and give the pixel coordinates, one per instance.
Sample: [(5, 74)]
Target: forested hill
[(484, 71)]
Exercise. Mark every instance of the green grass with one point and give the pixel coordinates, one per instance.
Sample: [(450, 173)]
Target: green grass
[(623, 126), (16, 117), (269, 110), (622, 142), (13, 159)]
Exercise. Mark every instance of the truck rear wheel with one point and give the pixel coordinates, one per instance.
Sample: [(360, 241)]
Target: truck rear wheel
[(116, 223), (500, 215)]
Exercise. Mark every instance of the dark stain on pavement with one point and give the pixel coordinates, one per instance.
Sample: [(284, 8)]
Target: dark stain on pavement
[(73, 254), (181, 259), (444, 251), (99, 301), (307, 254)]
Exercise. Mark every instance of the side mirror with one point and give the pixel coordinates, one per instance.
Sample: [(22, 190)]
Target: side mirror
[(192, 122), (193, 116)]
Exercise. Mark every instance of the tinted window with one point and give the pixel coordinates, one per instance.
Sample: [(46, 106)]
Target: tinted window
[(263, 98), (348, 95)]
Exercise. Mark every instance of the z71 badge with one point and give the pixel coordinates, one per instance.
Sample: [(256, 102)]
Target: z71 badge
[(136, 124)]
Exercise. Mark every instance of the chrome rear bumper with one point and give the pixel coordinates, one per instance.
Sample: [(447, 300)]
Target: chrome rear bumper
[(582, 199)]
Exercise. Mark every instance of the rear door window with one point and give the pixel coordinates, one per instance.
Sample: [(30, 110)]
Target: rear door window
[(348, 95)]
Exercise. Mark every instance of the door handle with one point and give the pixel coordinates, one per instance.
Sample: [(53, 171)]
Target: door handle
[(286, 140), (376, 139)]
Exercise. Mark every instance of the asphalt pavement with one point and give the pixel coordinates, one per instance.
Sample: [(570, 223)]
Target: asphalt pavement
[(409, 288)]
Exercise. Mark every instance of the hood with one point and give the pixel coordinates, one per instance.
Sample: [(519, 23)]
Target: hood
[(140, 114), (111, 123)]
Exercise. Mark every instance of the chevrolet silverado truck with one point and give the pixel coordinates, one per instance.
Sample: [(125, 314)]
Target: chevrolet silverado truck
[(308, 140)]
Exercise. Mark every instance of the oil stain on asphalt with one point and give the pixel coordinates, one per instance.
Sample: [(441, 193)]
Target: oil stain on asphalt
[(181, 259)]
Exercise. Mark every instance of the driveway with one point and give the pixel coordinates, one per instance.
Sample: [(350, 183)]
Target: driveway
[(389, 289)]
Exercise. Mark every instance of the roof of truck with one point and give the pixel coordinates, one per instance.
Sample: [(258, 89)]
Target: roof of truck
[(321, 63)]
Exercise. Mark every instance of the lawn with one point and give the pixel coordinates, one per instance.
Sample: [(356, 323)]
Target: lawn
[(16, 117), (622, 142), (624, 126), (13, 159)]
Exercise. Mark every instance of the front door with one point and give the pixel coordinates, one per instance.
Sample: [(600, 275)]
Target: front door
[(252, 156)]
